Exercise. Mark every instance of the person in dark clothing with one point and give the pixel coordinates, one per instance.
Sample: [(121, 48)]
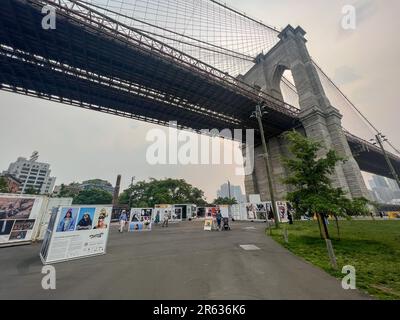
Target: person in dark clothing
[(219, 219), (85, 223), (290, 217)]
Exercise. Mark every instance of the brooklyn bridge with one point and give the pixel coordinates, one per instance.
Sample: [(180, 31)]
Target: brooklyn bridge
[(204, 65)]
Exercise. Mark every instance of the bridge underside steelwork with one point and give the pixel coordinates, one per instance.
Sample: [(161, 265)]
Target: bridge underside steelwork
[(369, 157), (88, 66), (93, 62)]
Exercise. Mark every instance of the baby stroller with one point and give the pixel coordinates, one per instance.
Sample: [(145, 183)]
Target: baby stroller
[(225, 224)]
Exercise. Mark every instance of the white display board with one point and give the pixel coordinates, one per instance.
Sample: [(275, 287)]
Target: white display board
[(140, 219), (141, 214), (76, 232), (19, 217), (174, 214), (162, 210), (258, 211), (46, 214), (235, 210), (224, 211), (282, 208), (254, 198), (208, 224), (211, 212)]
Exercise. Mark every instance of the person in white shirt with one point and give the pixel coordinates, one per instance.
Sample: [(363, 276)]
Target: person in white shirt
[(166, 219), (123, 218)]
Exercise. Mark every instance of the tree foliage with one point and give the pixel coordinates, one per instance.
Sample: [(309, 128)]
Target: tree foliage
[(167, 191), (3, 185), (31, 190), (93, 196), (225, 201), (69, 191), (309, 177)]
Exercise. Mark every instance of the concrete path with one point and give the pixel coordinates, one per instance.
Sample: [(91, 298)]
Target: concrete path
[(181, 262)]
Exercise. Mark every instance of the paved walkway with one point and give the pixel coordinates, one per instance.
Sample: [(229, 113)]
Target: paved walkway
[(181, 262)]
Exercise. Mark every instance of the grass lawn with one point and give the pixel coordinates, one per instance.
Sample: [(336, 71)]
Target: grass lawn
[(372, 247)]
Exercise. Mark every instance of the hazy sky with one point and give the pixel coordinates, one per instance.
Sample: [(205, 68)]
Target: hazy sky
[(82, 144)]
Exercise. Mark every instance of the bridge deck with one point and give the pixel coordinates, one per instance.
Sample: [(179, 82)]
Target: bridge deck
[(82, 65)]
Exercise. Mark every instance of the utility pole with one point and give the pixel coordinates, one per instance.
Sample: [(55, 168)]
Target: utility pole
[(259, 114), (389, 163), (229, 196), (130, 195)]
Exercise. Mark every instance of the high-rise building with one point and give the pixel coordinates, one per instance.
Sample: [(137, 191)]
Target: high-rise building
[(384, 190), (74, 188), (98, 184), (32, 174), (236, 193)]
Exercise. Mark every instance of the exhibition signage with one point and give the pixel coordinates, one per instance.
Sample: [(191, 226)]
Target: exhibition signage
[(19, 217), (174, 214), (162, 210), (282, 211), (76, 232), (259, 211), (208, 223), (393, 215), (224, 211), (140, 219)]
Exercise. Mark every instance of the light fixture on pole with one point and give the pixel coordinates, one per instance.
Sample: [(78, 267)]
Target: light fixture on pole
[(258, 114)]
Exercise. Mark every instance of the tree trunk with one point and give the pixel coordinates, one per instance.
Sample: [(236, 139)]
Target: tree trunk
[(337, 226), (319, 226), (325, 227)]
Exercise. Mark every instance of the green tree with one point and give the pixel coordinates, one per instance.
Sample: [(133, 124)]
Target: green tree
[(31, 190), (225, 201), (309, 177), (69, 191), (93, 196), (167, 191), (3, 185)]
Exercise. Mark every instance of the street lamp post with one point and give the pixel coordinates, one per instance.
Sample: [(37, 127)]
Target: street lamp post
[(389, 163), (258, 113)]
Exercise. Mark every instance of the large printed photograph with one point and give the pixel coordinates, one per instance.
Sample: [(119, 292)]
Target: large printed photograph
[(259, 211), (15, 208), (67, 220), (85, 219), (6, 226)]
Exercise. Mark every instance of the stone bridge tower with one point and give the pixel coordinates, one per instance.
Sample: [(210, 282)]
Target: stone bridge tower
[(320, 120)]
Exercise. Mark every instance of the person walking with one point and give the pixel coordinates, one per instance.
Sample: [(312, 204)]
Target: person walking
[(166, 219), (219, 219), (123, 218), (290, 217), (157, 219)]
